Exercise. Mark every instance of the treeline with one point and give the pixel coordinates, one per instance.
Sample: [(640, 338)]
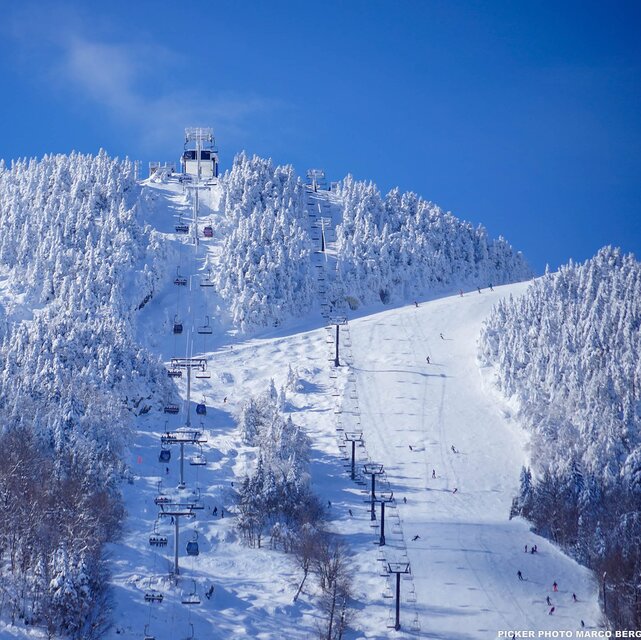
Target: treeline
[(397, 247), (569, 351), (71, 374)]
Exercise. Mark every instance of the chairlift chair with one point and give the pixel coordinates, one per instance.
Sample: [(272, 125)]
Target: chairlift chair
[(180, 226), (205, 329), (156, 539), (180, 280), (171, 408), (192, 546), (191, 597), (207, 281), (164, 455), (208, 231), (153, 595), (192, 636), (201, 408), (198, 459), (203, 374), (148, 635), (175, 373)]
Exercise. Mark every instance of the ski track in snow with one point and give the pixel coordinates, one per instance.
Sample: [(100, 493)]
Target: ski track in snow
[(463, 565)]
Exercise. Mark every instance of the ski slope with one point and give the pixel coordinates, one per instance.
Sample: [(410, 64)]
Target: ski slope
[(463, 581)]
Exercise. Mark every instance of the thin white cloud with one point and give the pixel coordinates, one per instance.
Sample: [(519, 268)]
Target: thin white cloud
[(137, 84)]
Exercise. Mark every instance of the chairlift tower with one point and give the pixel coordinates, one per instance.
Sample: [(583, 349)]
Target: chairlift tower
[(182, 437), (398, 568), (384, 497), (338, 321), (199, 364), (176, 511), (316, 178), (373, 469), (354, 437)]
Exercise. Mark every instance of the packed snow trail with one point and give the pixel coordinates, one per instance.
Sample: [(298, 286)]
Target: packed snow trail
[(420, 418)]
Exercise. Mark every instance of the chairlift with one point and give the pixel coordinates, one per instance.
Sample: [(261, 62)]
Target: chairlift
[(180, 226), (198, 460), (203, 374), (192, 636), (164, 455), (148, 635), (171, 408), (207, 281), (160, 500), (201, 408), (156, 539), (175, 373), (191, 597), (178, 325), (153, 595), (205, 329), (180, 280), (192, 546)]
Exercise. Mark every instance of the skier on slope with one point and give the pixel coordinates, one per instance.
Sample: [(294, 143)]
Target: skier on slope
[(428, 359), (519, 575)]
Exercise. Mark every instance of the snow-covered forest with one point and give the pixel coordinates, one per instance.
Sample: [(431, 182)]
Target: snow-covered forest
[(387, 249), (265, 274), (400, 246), (71, 376), (569, 353)]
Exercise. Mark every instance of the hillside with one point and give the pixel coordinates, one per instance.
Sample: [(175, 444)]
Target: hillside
[(228, 301), (464, 564)]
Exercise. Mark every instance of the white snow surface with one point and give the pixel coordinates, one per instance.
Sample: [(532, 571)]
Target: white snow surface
[(463, 582)]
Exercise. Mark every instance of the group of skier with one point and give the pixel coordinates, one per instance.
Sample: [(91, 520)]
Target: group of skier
[(555, 586)]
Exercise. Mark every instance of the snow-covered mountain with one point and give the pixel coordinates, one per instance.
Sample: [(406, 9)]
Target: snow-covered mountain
[(260, 303)]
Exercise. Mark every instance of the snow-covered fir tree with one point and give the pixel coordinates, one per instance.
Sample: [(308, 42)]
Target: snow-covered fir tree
[(275, 496)]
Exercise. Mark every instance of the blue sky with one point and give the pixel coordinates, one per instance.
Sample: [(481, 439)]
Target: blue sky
[(523, 116)]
